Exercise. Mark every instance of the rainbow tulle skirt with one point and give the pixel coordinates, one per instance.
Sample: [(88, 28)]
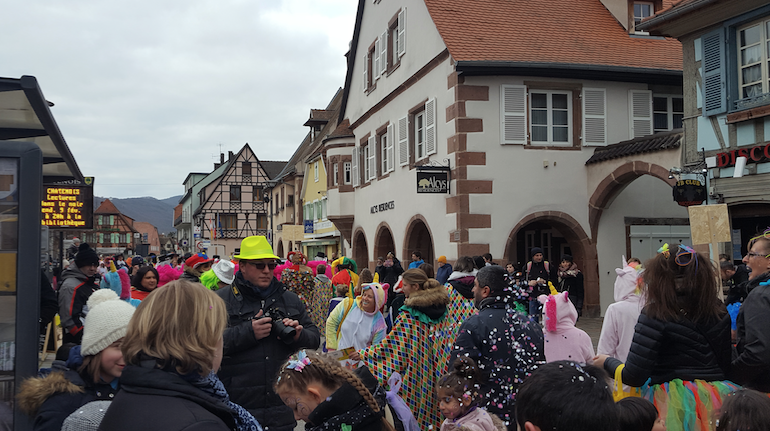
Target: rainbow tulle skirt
[(689, 405)]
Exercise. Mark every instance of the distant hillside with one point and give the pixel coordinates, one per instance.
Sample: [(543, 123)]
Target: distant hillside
[(160, 213)]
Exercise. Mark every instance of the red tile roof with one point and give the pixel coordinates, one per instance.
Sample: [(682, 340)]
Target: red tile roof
[(107, 207), (547, 31)]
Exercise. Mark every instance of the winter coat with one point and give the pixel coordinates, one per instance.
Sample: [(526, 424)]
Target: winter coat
[(681, 349), (345, 406), (249, 366), (620, 317), (154, 399), (463, 282), (349, 310), (563, 341), (52, 398), (538, 269), (74, 292), (390, 274), (572, 282), (477, 419), (507, 346), (415, 264), (190, 274), (417, 348), (443, 272), (741, 285), (752, 365)]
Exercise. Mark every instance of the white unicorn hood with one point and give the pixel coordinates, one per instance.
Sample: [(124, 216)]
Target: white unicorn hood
[(627, 281)]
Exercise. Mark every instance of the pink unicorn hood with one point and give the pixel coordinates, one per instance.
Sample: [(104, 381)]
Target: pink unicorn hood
[(627, 282), (560, 313)]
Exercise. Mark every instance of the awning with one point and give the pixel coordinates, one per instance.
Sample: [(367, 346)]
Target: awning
[(320, 242), (25, 115)]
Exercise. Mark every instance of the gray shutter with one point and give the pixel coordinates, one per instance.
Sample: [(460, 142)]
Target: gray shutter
[(389, 149), (513, 106), (384, 52), (594, 116), (372, 160), (376, 61), (403, 141), (354, 168), (640, 106), (714, 86), (366, 72), (430, 127), (402, 32)]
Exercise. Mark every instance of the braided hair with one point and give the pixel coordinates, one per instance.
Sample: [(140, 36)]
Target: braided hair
[(328, 373), (462, 381)]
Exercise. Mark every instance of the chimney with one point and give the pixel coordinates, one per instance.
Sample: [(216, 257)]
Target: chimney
[(230, 156), (221, 158)]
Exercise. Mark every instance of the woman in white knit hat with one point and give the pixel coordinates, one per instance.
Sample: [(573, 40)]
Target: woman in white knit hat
[(92, 370)]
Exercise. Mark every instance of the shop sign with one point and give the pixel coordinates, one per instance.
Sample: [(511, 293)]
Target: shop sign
[(433, 181), (759, 153), (309, 226), (689, 192), (383, 207)]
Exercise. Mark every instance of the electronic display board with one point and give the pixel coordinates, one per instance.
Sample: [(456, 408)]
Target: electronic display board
[(68, 205)]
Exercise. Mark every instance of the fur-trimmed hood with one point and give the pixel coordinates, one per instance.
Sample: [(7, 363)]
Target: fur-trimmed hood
[(33, 392), (427, 298)]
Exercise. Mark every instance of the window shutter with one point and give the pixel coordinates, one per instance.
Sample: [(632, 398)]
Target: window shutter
[(430, 127), (594, 116), (389, 148), (384, 52), (641, 112), (366, 72), (372, 160), (402, 32), (376, 62), (403, 141), (514, 111), (714, 87), (354, 168)]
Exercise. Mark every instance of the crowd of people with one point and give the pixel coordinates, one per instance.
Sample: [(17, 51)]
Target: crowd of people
[(254, 343)]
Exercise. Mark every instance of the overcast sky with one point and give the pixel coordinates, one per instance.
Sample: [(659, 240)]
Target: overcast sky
[(146, 91)]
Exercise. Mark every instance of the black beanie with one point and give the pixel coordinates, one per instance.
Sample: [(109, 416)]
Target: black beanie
[(86, 256), (535, 250)]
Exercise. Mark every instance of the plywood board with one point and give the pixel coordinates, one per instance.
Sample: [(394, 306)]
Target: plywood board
[(709, 223)]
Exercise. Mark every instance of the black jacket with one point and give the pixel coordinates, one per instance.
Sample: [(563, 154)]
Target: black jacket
[(741, 285), (390, 275), (52, 398), (153, 399), (507, 346), (250, 366), (752, 366), (680, 349), (347, 406)]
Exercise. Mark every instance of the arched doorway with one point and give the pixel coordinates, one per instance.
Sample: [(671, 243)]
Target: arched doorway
[(558, 233), (418, 238), (279, 249), (383, 241), (360, 249)]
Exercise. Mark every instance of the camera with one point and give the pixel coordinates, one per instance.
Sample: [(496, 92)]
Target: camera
[(285, 333)]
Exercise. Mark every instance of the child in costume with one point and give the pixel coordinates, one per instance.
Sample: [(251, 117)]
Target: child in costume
[(681, 350), (345, 272), (563, 341), (459, 400), (329, 397), (621, 316)]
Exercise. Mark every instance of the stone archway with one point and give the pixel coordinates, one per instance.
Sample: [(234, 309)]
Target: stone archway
[(418, 237), (614, 183), (583, 251), (360, 249), (279, 250), (383, 241)]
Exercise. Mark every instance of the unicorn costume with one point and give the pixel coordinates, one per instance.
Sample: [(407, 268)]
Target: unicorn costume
[(563, 341), (620, 318)]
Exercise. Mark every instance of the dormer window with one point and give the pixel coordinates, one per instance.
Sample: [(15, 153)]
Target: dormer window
[(642, 10)]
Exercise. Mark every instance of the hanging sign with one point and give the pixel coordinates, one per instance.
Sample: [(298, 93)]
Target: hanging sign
[(433, 181), (689, 192)]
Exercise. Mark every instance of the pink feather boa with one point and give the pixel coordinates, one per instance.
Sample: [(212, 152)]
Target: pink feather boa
[(168, 274), (125, 284)]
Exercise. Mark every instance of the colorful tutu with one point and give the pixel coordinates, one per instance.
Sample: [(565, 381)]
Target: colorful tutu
[(689, 406)]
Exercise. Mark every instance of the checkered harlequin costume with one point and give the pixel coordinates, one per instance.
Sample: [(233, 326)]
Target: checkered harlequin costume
[(319, 304)]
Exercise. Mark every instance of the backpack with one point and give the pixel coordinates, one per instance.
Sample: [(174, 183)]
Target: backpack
[(547, 267)]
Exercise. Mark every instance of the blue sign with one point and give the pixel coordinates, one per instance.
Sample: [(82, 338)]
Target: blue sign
[(308, 226)]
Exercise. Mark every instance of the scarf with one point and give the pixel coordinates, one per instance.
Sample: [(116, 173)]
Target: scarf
[(213, 386), (572, 271), (251, 291)]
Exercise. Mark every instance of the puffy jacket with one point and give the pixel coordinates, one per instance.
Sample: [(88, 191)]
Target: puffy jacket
[(463, 282), (250, 366), (74, 292), (153, 399), (49, 400), (752, 365), (507, 346), (680, 349), (443, 272)]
